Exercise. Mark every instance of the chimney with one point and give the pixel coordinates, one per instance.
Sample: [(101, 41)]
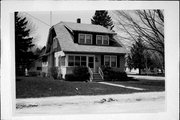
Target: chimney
[(78, 20)]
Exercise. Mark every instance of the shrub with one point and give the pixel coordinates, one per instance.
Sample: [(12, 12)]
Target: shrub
[(110, 75), (43, 74), (70, 77), (79, 74), (33, 73), (59, 77), (53, 71)]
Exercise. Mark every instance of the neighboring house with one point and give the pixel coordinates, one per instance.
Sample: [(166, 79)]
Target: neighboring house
[(38, 66), (75, 44)]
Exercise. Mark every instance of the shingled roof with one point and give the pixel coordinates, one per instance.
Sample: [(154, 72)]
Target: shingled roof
[(87, 27), (67, 44)]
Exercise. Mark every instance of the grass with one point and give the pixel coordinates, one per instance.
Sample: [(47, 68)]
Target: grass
[(32, 87), (149, 85)]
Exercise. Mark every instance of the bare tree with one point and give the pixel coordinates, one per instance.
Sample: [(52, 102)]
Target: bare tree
[(146, 24)]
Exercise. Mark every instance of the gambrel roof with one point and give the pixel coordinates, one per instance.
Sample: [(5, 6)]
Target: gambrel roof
[(64, 30), (87, 28)]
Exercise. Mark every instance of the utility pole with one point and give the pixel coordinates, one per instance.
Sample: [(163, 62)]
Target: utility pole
[(50, 18)]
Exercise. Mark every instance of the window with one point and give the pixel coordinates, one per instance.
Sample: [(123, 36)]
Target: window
[(88, 39), (82, 38), (39, 68), (105, 40), (107, 61), (91, 62), (62, 61), (99, 40), (85, 38), (71, 61), (113, 61), (102, 40), (59, 61), (110, 61), (83, 60), (77, 60)]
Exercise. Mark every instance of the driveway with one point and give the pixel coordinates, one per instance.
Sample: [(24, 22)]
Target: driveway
[(147, 77)]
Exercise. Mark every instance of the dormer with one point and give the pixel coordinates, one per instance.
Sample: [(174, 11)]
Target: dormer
[(85, 39), (102, 40)]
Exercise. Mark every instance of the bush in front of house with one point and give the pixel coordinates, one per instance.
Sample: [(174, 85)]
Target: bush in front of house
[(53, 72), (80, 73), (43, 74), (70, 77), (33, 73), (110, 75)]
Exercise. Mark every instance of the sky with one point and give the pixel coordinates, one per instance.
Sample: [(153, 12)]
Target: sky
[(41, 22)]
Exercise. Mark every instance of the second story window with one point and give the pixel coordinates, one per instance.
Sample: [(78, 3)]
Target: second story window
[(102, 40), (85, 39), (105, 40)]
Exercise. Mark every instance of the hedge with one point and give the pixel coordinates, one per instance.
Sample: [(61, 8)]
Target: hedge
[(80, 73)]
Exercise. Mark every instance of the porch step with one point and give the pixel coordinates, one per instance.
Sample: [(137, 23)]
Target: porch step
[(97, 77)]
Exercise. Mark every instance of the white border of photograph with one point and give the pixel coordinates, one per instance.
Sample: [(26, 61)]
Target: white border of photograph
[(171, 11)]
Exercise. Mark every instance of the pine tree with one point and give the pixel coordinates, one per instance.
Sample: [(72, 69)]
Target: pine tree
[(137, 58), (101, 17), (23, 42)]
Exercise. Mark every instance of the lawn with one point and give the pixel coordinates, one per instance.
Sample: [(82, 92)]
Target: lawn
[(31, 87), (149, 85)]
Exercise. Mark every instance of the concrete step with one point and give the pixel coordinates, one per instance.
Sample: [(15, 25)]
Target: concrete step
[(97, 77)]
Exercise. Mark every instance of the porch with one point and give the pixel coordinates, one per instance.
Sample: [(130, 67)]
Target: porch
[(94, 62)]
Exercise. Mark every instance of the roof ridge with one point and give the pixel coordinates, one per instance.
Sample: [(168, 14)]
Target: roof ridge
[(83, 23), (64, 22), (85, 27)]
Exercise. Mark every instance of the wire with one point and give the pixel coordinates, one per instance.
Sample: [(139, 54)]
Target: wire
[(37, 19)]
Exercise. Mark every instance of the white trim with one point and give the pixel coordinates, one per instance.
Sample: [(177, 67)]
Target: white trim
[(110, 60), (66, 61), (102, 42), (107, 39), (85, 38), (116, 61)]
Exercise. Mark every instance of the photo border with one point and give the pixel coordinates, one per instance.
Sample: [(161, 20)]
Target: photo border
[(171, 13)]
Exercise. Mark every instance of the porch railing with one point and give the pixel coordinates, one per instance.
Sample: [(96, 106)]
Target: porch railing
[(91, 74), (101, 73)]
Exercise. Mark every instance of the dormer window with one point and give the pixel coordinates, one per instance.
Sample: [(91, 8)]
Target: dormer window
[(102, 40), (85, 39)]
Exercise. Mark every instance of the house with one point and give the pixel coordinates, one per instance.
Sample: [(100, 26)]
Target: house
[(76, 44), (38, 66)]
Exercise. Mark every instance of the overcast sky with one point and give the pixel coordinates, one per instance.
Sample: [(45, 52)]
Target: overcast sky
[(41, 21)]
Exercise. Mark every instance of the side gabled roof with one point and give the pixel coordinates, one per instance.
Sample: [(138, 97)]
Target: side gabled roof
[(66, 42)]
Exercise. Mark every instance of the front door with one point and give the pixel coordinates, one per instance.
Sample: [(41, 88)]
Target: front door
[(91, 62)]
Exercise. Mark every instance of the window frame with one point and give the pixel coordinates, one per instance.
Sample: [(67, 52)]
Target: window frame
[(115, 60), (85, 43), (110, 56), (102, 42), (80, 59), (107, 39), (71, 60), (101, 39)]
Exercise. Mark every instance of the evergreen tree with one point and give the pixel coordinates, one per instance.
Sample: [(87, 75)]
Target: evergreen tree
[(137, 58), (101, 17), (141, 58), (23, 42)]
